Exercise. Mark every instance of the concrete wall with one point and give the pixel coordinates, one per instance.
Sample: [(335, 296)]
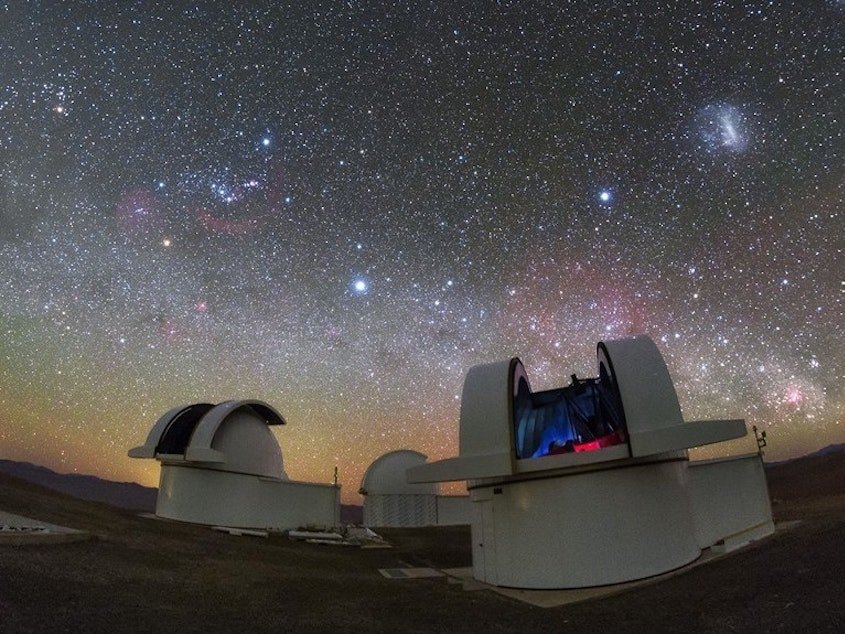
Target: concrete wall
[(400, 510), (730, 501), (453, 510), (219, 498), (586, 529)]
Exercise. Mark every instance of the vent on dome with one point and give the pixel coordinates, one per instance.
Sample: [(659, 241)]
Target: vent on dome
[(175, 438)]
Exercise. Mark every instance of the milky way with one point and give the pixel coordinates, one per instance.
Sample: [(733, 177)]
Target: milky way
[(339, 208)]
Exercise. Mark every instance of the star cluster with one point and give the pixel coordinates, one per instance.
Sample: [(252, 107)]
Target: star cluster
[(340, 207)]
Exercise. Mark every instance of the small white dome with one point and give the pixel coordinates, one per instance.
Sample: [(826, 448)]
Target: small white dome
[(386, 475)]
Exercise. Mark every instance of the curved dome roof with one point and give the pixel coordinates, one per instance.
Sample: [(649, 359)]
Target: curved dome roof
[(230, 436), (386, 475), (248, 444)]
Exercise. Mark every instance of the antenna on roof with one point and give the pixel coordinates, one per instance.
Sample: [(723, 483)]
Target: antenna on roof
[(761, 439)]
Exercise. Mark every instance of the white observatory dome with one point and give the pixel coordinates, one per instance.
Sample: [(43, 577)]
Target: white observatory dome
[(232, 436), (221, 465), (386, 475)]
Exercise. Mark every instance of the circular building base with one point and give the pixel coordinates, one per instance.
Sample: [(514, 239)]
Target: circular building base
[(615, 524)]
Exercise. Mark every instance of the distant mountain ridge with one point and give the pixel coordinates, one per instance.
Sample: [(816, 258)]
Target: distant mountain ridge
[(828, 450), (824, 451), (125, 495), (818, 474)]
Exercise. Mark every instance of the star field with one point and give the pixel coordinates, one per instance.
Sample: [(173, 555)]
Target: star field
[(339, 208)]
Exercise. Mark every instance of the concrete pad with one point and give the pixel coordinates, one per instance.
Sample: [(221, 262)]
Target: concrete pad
[(410, 573)]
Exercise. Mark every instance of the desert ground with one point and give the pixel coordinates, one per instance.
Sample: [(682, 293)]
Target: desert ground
[(137, 574)]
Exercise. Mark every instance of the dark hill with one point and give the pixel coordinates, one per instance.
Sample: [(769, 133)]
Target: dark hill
[(127, 495), (817, 475)]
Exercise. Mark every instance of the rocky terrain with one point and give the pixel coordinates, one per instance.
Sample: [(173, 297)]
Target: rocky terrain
[(142, 574)]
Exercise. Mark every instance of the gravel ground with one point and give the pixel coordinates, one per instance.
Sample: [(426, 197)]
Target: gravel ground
[(141, 574)]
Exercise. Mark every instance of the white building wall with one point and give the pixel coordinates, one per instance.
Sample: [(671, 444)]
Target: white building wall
[(453, 510), (589, 529), (220, 498), (730, 501), (399, 510)]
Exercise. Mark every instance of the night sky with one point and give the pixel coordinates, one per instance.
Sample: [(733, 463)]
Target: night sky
[(340, 207)]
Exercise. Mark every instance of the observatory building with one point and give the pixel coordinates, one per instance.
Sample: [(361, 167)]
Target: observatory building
[(221, 465), (591, 484), (390, 500)]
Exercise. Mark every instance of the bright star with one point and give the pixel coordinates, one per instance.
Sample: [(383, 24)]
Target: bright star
[(360, 286)]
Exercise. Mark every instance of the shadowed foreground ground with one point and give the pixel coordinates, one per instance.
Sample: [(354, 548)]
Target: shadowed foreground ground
[(145, 575)]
